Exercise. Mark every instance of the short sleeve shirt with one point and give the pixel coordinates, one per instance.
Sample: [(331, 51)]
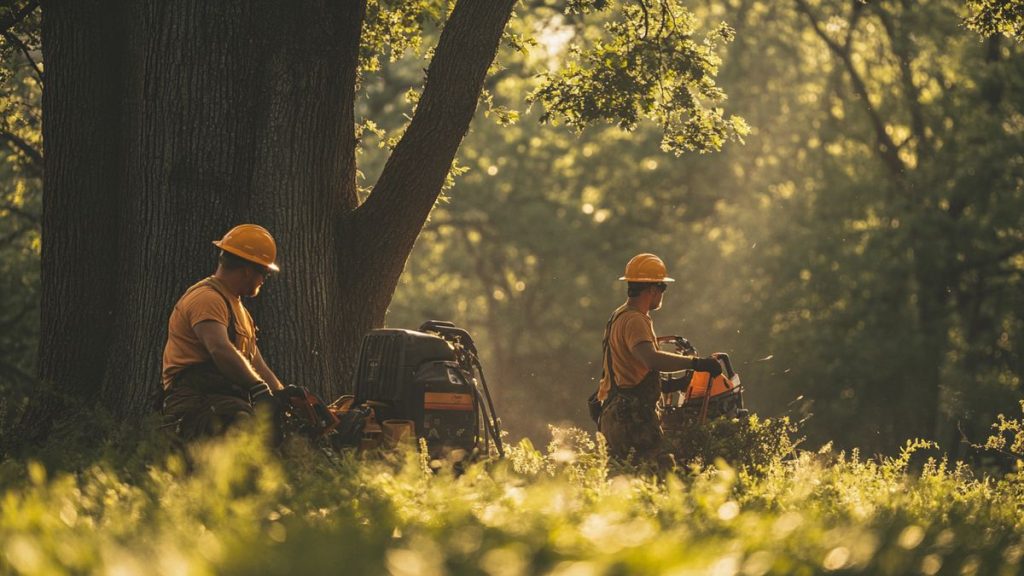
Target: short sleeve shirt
[(204, 301), (630, 328)]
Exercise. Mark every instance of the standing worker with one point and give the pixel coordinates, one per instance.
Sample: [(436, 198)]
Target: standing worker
[(213, 373), (630, 385)]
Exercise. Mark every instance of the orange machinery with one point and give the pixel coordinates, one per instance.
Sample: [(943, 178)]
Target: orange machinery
[(694, 402)]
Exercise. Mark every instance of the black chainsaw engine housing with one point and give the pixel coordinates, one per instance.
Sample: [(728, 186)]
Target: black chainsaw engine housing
[(417, 376)]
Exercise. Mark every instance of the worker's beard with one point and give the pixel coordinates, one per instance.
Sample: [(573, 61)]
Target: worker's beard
[(255, 290)]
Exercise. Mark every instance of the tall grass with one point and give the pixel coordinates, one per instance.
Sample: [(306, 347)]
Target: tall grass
[(231, 506)]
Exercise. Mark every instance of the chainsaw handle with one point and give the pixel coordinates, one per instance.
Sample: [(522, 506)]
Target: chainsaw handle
[(449, 331), (723, 359), (683, 345)]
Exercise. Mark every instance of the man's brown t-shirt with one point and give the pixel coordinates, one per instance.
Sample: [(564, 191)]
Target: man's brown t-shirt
[(204, 301), (629, 329)]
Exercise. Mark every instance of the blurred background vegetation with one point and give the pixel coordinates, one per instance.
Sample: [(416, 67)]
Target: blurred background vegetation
[(859, 256), (21, 186)]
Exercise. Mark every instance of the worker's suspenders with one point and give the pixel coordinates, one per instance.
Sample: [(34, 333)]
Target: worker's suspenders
[(232, 335)]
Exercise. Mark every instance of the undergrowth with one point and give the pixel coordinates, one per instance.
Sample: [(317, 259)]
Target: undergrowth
[(231, 506)]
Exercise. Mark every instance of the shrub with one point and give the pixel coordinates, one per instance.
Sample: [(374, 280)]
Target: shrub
[(749, 443)]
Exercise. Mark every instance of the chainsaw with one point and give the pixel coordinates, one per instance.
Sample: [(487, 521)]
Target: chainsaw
[(699, 396)]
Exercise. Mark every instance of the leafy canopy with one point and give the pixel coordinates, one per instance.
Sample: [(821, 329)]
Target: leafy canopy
[(646, 63), (991, 17)]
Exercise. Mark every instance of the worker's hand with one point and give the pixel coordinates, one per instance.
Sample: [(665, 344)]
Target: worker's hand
[(260, 393), (291, 390), (708, 364)]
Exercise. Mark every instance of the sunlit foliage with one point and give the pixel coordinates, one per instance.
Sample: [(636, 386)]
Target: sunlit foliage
[(858, 256), (647, 64), (997, 17), (232, 507)]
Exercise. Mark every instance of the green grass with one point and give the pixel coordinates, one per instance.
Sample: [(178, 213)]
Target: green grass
[(233, 507)]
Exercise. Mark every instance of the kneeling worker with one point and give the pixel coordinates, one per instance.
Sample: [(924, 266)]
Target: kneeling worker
[(630, 386), (213, 373)]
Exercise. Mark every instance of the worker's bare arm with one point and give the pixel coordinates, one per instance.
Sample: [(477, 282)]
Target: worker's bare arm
[(228, 359), (265, 372), (661, 361)]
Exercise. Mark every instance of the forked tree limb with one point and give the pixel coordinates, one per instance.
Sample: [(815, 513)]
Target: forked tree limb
[(26, 52), (391, 218), (19, 143), (15, 18), (21, 212), (886, 147), (902, 49)]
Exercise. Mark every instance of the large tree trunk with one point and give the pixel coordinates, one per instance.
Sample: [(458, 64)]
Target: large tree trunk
[(171, 121), (921, 409), (80, 212), (234, 112)]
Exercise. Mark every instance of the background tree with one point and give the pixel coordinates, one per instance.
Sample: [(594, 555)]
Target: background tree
[(914, 286), (859, 252)]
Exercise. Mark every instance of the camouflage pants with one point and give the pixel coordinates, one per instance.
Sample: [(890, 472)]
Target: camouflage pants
[(204, 403), (629, 423), (199, 414)]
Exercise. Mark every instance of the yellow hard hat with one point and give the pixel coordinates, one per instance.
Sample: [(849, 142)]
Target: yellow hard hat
[(252, 243), (646, 268)]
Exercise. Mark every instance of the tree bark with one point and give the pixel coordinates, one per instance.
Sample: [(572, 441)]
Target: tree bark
[(235, 112), (80, 212)]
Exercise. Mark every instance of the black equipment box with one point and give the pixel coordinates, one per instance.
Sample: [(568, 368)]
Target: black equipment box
[(410, 375)]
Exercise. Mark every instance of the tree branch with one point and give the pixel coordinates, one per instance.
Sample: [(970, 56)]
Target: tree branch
[(14, 19), (13, 39), (886, 148), (647, 18), (993, 260), (16, 372), (415, 172), (489, 277), (14, 235), (20, 144), (901, 49), (34, 218), (8, 323)]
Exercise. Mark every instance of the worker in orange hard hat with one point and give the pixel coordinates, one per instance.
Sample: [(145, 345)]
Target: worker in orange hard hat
[(626, 402), (213, 372)]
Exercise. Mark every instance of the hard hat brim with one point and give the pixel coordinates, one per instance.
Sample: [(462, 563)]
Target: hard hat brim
[(273, 267), (651, 280)]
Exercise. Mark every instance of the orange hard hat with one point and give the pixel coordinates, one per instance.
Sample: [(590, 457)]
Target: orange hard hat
[(251, 242), (646, 268)]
